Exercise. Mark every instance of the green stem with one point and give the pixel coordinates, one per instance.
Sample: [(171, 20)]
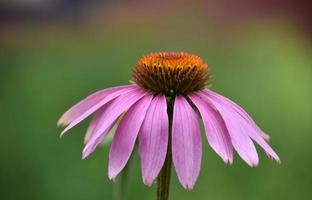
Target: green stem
[(163, 179)]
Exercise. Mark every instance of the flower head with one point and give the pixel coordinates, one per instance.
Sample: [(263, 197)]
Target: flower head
[(162, 80), (171, 73)]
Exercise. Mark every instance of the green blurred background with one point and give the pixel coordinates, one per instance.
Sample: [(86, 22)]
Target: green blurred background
[(53, 56)]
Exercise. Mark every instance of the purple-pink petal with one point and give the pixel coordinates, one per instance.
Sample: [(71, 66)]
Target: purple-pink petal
[(85, 104), (94, 122), (231, 105), (186, 143), (86, 113), (238, 132), (216, 131), (153, 139), (243, 118), (109, 117), (126, 134)]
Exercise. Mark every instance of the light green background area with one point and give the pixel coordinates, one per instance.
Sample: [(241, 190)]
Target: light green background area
[(266, 67)]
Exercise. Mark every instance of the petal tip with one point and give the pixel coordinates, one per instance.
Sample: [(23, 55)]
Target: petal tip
[(148, 183), (229, 161), (188, 187), (112, 175), (275, 158), (62, 122), (86, 152), (254, 164), (84, 156), (62, 133)]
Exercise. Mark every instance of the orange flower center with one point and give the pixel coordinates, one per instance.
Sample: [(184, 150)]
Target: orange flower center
[(171, 73)]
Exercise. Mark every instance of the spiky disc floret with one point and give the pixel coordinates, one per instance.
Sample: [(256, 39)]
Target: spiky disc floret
[(171, 73)]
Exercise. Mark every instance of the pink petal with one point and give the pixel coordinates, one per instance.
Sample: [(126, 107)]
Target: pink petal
[(126, 135), (109, 117), (95, 107), (252, 129), (85, 104), (216, 131), (238, 132), (153, 138), (94, 122), (186, 143), (235, 107)]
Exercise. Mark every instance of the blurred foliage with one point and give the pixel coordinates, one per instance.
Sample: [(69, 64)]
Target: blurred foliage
[(44, 69)]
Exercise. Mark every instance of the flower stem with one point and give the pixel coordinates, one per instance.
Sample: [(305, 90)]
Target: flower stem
[(163, 179)]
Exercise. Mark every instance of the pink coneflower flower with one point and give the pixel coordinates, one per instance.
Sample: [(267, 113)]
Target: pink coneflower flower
[(161, 110)]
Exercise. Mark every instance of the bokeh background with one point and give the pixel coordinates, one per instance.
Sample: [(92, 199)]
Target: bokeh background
[(55, 52)]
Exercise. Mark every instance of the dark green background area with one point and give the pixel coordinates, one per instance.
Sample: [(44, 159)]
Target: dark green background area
[(44, 69)]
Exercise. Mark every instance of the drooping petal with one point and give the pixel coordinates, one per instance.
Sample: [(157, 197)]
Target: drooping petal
[(109, 116), (235, 107), (186, 143), (153, 139), (216, 131), (85, 104), (242, 116), (98, 105), (95, 122), (238, 132), (126, 135)]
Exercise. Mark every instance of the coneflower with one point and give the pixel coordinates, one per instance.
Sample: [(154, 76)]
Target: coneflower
[(161, 110)]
